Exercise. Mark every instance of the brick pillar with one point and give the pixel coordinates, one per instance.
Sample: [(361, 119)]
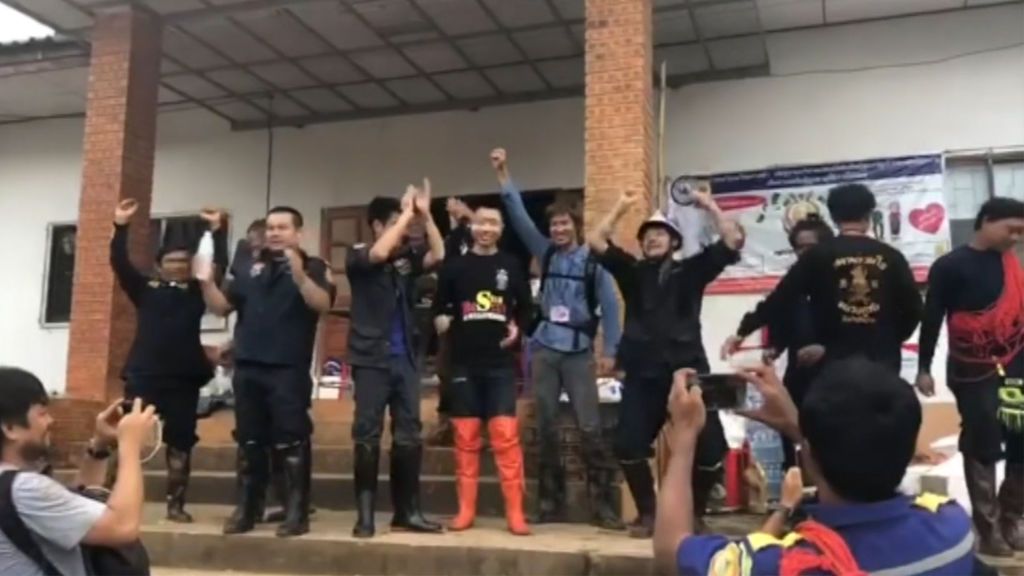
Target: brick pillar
[(120, 132), (619, 133)]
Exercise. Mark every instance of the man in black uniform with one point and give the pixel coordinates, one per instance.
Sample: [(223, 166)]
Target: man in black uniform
[(381, 351), (167, 365), (662, 334), (281, 298), (862, 293), (979, 287), (484, 297), (792, 331)]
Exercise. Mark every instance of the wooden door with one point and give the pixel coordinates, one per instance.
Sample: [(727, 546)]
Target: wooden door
[(341, 228)]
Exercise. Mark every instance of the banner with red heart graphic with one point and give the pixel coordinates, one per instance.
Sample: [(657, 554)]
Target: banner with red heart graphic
[(928, 219)]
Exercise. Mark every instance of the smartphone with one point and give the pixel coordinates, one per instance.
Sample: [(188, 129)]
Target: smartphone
[(722, 391), (127, 405)]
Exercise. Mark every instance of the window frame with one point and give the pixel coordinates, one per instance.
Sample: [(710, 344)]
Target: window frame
[(988, 159), (51, 227)]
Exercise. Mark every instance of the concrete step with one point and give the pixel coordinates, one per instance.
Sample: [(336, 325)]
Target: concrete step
[(488, 548), (337, 492)]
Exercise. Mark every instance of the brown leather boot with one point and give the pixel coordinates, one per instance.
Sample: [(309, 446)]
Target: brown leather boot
[(467, 469), (1011, 507), (504, 434), (981, 486)]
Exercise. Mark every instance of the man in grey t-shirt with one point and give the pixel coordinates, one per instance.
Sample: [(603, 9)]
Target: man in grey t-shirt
[(59, 520)]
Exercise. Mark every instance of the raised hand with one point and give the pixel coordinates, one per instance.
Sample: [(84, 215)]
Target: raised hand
[(457, 209), (214, 217), (421, 201), (778, 409), (125, 210), (499, 161), (702, 196), (295, 263), (135, 426), (409, 199)]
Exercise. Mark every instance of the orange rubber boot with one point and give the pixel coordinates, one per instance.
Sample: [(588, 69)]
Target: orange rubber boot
[(467, 469), (504, 434)]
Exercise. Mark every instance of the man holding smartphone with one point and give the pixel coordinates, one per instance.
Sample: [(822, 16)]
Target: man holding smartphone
[(662, 334)]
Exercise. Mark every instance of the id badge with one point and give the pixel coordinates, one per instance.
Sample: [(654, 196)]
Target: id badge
[(559, 314)]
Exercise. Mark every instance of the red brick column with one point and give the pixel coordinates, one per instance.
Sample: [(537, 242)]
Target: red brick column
[(120, 132), (619, 134)]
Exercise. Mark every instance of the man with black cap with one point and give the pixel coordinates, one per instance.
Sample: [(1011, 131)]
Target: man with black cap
[(167, 364), (662, 334), (381, 351), (282, 296)]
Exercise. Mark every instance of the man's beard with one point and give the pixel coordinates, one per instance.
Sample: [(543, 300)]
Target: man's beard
[(35, 452)]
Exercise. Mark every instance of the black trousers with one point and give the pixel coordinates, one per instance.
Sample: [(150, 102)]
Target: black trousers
[(176, 401), (482, 392), (981, 433), (396, 388), (272, 404), (644, 410)]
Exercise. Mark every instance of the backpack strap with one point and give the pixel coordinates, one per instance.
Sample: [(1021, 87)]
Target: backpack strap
[(16, 531), (589, 280)]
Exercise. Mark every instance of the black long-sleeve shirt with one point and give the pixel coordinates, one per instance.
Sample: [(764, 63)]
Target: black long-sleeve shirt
[(863, 298), (169, 317), (963, 280), (483, 294)]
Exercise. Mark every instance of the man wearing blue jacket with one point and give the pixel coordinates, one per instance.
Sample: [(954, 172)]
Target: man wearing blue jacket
[(576, 296)]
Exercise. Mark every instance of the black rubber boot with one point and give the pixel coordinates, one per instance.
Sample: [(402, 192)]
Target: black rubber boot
[(296, 504), (601, 476), (641, 486), (981, 487), (179, 468), (405, 491), (704, 481), (366, 467), (278, 486), (251, 487), (1011, 507)]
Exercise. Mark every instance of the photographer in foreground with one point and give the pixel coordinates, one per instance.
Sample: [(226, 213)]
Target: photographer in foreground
[(61, 521), (857, 429)]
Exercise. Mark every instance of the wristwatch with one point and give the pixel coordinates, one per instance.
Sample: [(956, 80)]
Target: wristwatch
[(97, 453)]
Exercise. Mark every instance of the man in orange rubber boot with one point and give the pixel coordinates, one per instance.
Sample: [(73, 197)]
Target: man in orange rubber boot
[(484, 297)]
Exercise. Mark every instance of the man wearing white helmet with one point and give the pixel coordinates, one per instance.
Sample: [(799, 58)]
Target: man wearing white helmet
[(662, 334)]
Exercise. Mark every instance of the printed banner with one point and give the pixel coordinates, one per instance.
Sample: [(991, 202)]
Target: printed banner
[(911, 213)]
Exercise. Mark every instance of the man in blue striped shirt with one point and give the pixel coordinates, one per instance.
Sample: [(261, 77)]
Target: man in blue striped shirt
[(576, 296)]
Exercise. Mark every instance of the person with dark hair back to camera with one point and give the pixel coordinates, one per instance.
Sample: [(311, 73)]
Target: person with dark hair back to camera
[(662, 333), (857, 429), (281, 298), (167, 364), (791, 331), (862, 293), (381, 352), (576, 296), (57, 520), (979, 287)]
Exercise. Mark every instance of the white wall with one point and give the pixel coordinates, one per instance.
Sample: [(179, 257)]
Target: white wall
[(797, 116)]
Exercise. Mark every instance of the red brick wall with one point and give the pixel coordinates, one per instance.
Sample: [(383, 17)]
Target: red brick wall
[(619, 135), (120, 131)]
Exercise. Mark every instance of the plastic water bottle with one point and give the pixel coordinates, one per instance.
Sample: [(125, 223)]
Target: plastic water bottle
[(202, 262), (765, 447)]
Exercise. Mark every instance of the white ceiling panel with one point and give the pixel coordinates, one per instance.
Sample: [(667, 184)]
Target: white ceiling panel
[(283, 75), (165, 96), (322, 100), (489, 50), (194, 86), (738, 52), (458, 16), (465, 85), (287, 108), (332, 69), (239, 110), (847, 10), (415, 90), (48, 93), (566, 73), (334, 23), (190, 52), (546, 43), (520, 12), (172, 6), (681, 60), (436, 57), (237, 80), (570, 9), (369, 96), (727, 19), (58, 13), (167, 67), (280, 29), (515, 79), (230, 40), (673, 27), (984, 2), (392, 18), (383, 63), (779, 14)]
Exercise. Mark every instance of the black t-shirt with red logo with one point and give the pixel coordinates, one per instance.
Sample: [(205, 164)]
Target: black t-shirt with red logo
[(483, 294)]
